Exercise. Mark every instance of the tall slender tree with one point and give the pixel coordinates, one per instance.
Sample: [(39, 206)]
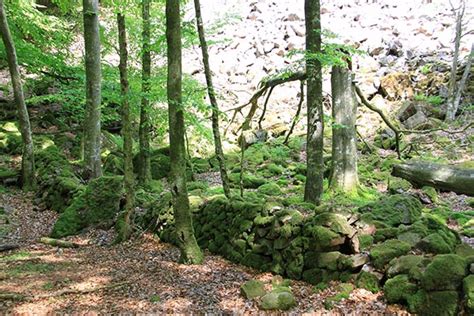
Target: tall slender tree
[(212, 98), (92, 161), (144, 166), (28, 160), (190, 251), (314, 143), (344, 138), (126, 229)]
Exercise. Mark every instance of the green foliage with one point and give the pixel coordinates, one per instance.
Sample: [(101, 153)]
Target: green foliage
[(435, 100)]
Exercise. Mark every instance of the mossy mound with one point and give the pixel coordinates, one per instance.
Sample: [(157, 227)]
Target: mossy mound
[(252, 289), (10, 139), (468, 288), (98, 205), (56, 178), (393, 210), (269, 189), (382, 254), (368, 281), (399, 289), (444, 303), (445, 272), (278, 300), (411, 265)]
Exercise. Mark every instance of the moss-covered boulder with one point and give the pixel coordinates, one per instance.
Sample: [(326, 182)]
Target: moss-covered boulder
[(393, 210), (468, 289), (252, 289), (368, 281), (56, 178), (398, 185), (278, 300), (160, 166), (444, 303), (10, 139), (382, 254), (399, 289), (411, 265), (445, 272), (98, 205), (269, 189)]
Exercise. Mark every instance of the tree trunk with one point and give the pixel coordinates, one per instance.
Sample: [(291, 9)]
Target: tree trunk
[(443, 177), (28, 161), (92, 161), (451, 110), (144, 166), (314, 143), (344, 136), (212, 98), (126, 229), (190, 251)]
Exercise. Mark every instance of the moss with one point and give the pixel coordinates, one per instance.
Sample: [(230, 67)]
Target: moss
[(160, 166), (368, 281), (398, 185), (468, 289), (399, 289), (439, 303), (410, 265), (278, 301), (385, 233), (257, 261), (10, 139), (435, 243), (98, 205), (336, 222), (113, 164), (410, 238), (344, 290), (269, 189), (275, 169), (313, 276), (394, 210), (322, 237), (365, 241), (249, 181), (252, 289), (431, 193), (383, 253), (445, 272), (464, 250), (328, 260)]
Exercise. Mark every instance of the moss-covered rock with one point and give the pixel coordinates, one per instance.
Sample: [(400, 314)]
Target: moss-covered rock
[(399, 289), (436, 243), (249, 181), (445, 272), (160, 166), (344, 290), (10, 139), (382, 254), (468, 289), (410, 265), (269, 189), (98, 205), (368, 281), (394, 210), (398, 185), (280, 300), (431, 193), (365, 241), (328, 260), (252, 289), (439, 303)]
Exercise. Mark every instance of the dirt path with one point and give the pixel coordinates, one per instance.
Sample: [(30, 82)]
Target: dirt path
[(139, 276)]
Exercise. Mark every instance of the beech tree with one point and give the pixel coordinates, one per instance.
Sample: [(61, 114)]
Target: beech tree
[(314, 144), (127, 132), (28, 160), (344, 138), (92, 160), (212, 98), (190, 251), (144, 167)]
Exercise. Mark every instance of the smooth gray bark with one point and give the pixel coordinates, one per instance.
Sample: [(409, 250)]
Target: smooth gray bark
[(190, 251), (212, 98), (92, 146), (144, 164), (315, 142), (344, 135), (28, 160), (126, 229)]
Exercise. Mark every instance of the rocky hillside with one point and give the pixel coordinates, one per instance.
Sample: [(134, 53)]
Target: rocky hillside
[(407, 48)]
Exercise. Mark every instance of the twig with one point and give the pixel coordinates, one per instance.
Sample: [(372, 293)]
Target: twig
[(265, 108), (297, 115)]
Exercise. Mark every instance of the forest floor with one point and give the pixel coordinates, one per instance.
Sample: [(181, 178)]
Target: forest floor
[(142, 275)]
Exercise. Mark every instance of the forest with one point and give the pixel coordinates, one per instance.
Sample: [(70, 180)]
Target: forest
[(237, 157)]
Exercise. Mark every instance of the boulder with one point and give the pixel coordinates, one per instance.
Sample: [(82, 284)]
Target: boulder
[(382, 254), (468, 288), (278, 301), (252, 289), (445, 272), (399, 289)]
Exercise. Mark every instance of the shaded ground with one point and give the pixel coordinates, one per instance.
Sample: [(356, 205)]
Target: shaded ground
[(139, 276)]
